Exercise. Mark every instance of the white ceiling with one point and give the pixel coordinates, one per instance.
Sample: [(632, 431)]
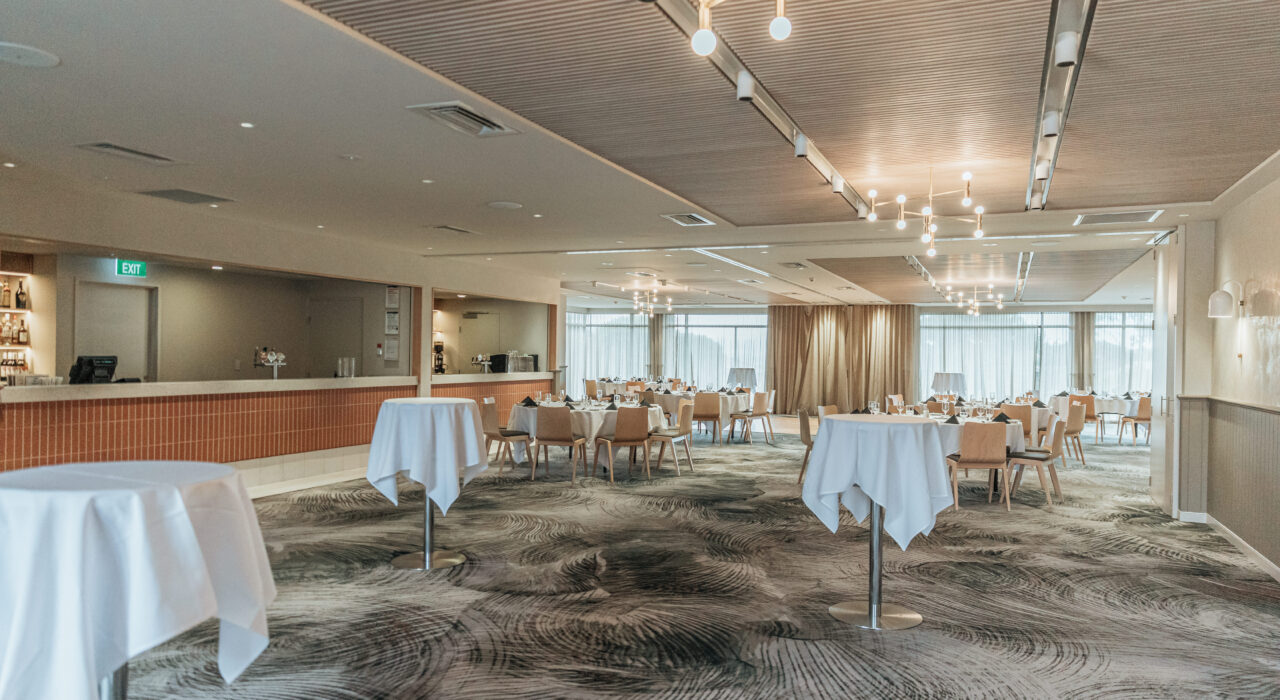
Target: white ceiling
[(177, 78)]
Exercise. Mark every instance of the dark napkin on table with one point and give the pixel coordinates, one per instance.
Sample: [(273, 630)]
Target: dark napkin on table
[(528, 402), (645, 403), (1129, 396), (611, 407), (1038, 404), (954, 421), (1002, 418), (960, 401), (723, 390), (666, 391), (1061, 394), (1093, 393)]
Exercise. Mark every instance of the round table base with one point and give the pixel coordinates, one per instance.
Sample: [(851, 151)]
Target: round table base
[(440, 559), (892, 617)]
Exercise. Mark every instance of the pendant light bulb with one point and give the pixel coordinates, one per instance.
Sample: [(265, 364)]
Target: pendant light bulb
[(901, 224), (927, 210), (902, 199), (931, 252), (966, 202), (871, 216), (703, 42), (926, 237), (780, 28)]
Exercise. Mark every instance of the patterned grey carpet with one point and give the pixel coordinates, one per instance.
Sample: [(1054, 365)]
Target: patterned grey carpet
[(715, 584)]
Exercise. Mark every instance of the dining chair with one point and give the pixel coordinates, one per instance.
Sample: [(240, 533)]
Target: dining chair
[(759, 412), (945, 397), (590, 387), (936, 407), (706, 409), (494, 433), (894, 403), (1041, 459), (1090, 412), (768, 413), (650, 396), (1143, 417), (635, 387), (826, 410), (1075, 425), (555, 429), (807, 440), (682, 432), (631, 429), (982, 446), (1021, 412)]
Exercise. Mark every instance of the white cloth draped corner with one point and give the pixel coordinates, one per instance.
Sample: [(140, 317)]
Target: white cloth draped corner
[(434, 440)]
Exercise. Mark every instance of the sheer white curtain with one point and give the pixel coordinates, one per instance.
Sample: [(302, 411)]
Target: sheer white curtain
[(700, 348), (604, 345), (1122, 347), (1001, 355)]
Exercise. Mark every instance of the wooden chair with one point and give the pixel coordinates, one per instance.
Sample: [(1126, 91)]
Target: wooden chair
[(936, 407), (630, 430), (824, 411), (1021, 412), (683, 432), (555, 429), (759, 412), (590, 386), (650, 396), (1143, 417), (894, 403), (635, 387), (1040, 459), (947, 397), (1075, 424), (807, 440), (768, 413), (706, 409), (1090, 413), (493, 433), (982, 446)]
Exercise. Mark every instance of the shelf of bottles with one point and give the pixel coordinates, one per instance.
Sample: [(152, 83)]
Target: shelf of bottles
[(15, 324)]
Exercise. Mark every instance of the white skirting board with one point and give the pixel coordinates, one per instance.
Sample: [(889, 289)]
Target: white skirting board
[(272, 475), (1270, 567), (1190, 516)]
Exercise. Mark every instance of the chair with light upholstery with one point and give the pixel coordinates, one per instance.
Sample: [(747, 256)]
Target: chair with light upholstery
[(768, 417), (635, 387), (1041, 459), (495, 433), (826, 410), (759, 412), (1022, 413), (894, 403), (1090, 413), (1075, 425), (631, 429), (1143, 417), (650, 396), (805, 439), (982, 446), (555, 429), (936, 407), (589, 385), (706, 410), (682, 432)]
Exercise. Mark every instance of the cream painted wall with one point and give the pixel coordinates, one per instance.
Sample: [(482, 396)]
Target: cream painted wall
[(519, 326), (36, 205), (374, 298), (1248, 252)]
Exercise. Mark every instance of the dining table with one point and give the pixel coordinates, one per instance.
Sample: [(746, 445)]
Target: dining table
[(1101, 404), (588, 420), (104, 560), (730, 403)]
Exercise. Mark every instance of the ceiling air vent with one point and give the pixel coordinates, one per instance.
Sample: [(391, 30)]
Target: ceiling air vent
[(112, 149), (185, 196), (1145, 216), (454, 229), (689, 219), (457, 115)]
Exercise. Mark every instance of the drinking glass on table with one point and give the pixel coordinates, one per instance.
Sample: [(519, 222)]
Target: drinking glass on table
[(874, 407)]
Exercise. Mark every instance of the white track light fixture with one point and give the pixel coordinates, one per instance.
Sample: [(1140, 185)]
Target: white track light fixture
[(1066, 49), (837, 183), (780, 27), (802, 146), (1068, 33), (703, 41), (746, 86)]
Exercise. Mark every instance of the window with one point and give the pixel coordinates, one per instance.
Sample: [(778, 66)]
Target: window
[(701, 348), (604, 345), (1001, 355), (1122, 347)]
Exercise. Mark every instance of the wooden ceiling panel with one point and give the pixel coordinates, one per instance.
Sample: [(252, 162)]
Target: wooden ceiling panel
[(1177, 100), (1075, 275), (618, 79)]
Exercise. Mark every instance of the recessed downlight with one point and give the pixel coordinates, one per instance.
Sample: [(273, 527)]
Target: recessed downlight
[(216, 267), (427, 182), (213, 206), (505, 205), (537, 216), (462, 296), (247, 125), (10, 165), (320, 226)]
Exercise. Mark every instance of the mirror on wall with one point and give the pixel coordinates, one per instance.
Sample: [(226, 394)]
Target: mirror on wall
[(477, 335)]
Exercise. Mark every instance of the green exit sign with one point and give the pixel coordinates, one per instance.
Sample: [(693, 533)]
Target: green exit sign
[(131, 268)]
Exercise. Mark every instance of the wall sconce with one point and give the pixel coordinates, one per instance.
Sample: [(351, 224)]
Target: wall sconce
[(1222, 303)]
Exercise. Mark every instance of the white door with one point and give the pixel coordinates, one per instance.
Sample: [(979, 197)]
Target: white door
[(1164, 350), (335, 328), (117, 319)]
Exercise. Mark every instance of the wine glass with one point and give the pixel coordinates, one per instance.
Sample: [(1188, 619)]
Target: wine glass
[(874, 407)]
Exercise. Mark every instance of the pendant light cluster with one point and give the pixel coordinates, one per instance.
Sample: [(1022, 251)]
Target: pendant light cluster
[(704, 40), (644, 300), (975, 301), (929, 231)]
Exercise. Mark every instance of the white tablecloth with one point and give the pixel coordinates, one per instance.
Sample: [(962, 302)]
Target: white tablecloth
[(951, 435), (435, 440), (589, 422), (1122, 406), (729, 404), (895, 461), (104, 561)]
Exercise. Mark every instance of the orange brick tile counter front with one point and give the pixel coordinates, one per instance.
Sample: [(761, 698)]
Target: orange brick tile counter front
[(505, 394), (208, 427)]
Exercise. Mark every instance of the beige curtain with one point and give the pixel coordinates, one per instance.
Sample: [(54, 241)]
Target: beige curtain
[(842, 355), (1081, 349), (656, 322)]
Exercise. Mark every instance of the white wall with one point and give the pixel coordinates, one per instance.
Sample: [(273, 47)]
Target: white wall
[(374, 297), (1248, 252), (520, 326)]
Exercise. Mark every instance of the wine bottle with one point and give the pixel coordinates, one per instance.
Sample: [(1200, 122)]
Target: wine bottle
[(21, 299), (24, 336), (6, 296)]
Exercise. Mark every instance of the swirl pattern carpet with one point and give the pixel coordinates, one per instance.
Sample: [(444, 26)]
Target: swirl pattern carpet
[(716, 583)]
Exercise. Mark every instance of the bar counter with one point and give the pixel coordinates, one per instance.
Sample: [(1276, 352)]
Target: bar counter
[(132, 390), (505, 388)]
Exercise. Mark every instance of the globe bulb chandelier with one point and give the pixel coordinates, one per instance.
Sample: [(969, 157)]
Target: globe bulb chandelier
[(704, 41), (644, 300), (929, 230)]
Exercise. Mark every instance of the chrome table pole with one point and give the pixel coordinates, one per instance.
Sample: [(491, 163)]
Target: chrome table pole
[(873, 614), (115, 685), (440, 559)]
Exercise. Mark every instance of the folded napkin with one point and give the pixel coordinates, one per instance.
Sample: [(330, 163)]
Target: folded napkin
[(1093, 393), (1129, 396), (955, 421), (959, 401), (666, 391), (1038, 404), (932, 398), (723, 390), (569, 403), (645, 403), (1002, 418), (1061, 394), (567, 399), (611, 407), (528, 402)]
